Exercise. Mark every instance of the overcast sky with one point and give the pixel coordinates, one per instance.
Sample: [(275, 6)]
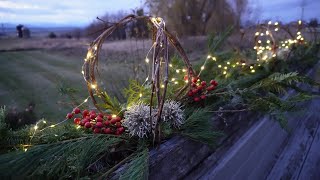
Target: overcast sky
[(82, 12)]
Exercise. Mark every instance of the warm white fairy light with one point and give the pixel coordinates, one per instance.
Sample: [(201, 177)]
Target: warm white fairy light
[(82, 72), (114, 115), (257, 34), (162, 85), (219, 66), (173, 79), (147, 60), (269, 22), (177, 71), (267, 32), (268, 41), (170, 65), (209, 56), (224, 72), (276, 23), (36, 127), (184, 70), (299, 22), (252, 71), (255, 47), (276, 29), (259, 41), (140, 95), (202, 67), (261, 34), (225, 67), (228, 62), (243, 64), (251, 67), (214, 58), (176, 82), (93, 86)]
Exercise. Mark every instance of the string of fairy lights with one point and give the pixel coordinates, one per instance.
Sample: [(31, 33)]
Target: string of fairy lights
[(265, 46)]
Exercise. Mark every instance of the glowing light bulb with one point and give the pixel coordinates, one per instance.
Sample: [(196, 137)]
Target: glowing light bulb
[(298, 33), (237, 63), (208, 57), (274, 55), (225, 67), (224, 72), (255, 47), (177, 71), (228, 62), (85, 100), (170, 65), (276, 29), (299, 22), (267, 32), (214, 58), (162, 85), (259, 41), (268, 41), (219, 66), (82, 72), (93, 86), (257, 34), (140, 95), (147, 60), (173, 79), (252, 71), (261, 34), (184, 70), (36, 127), (44, 122), (202, 67), (251, 67), (52, 126), (176, 82), (276, 23), (269, 22), (114, 116), (243, 64)]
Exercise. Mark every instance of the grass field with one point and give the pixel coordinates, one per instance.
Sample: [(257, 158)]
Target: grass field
[(35, 76)]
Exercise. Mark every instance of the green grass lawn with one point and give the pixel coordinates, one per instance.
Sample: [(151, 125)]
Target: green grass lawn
[(36, 76)]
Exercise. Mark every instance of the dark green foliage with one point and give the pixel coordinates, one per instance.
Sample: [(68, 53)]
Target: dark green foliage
[(64, 159), (138, 168), (198, 126)]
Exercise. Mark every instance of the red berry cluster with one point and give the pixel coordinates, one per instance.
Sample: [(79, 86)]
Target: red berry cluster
[(200, 89), (98, 123)]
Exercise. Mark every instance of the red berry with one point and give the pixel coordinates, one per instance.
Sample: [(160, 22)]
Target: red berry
[(92, 112), (121, 129), (76, 110), (69, 115), (210, 88), (203, 96), (213, 82), (203, 83), (99, 119), (107, 130), (194, 85), (107, 123), (118, 119), (185, 77), (96, 130), (190, 93), (200, 87), (77, 120), (195, 91), (92, 116), (194, 79), (86, 120), (85, 113), (118, 124), (196, 99), (101, 115), (113, 121), (109, 117), (82, 123), (99, 125), (87, 125)]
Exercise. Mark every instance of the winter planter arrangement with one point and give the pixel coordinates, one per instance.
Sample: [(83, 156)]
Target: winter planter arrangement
[(178, 111)]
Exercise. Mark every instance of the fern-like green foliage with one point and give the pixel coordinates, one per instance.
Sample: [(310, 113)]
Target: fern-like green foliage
[(199, 128), (133, 92), (62, 160), (110, 104), (278, 82), (138, 168)]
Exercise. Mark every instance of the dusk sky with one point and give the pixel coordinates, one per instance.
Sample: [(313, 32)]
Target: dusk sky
[(81, 12)]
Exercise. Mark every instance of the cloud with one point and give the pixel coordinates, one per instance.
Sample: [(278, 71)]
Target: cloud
[(64, 12)]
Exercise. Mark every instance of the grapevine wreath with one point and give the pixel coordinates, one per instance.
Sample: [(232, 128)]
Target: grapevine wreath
[(141, 119)]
